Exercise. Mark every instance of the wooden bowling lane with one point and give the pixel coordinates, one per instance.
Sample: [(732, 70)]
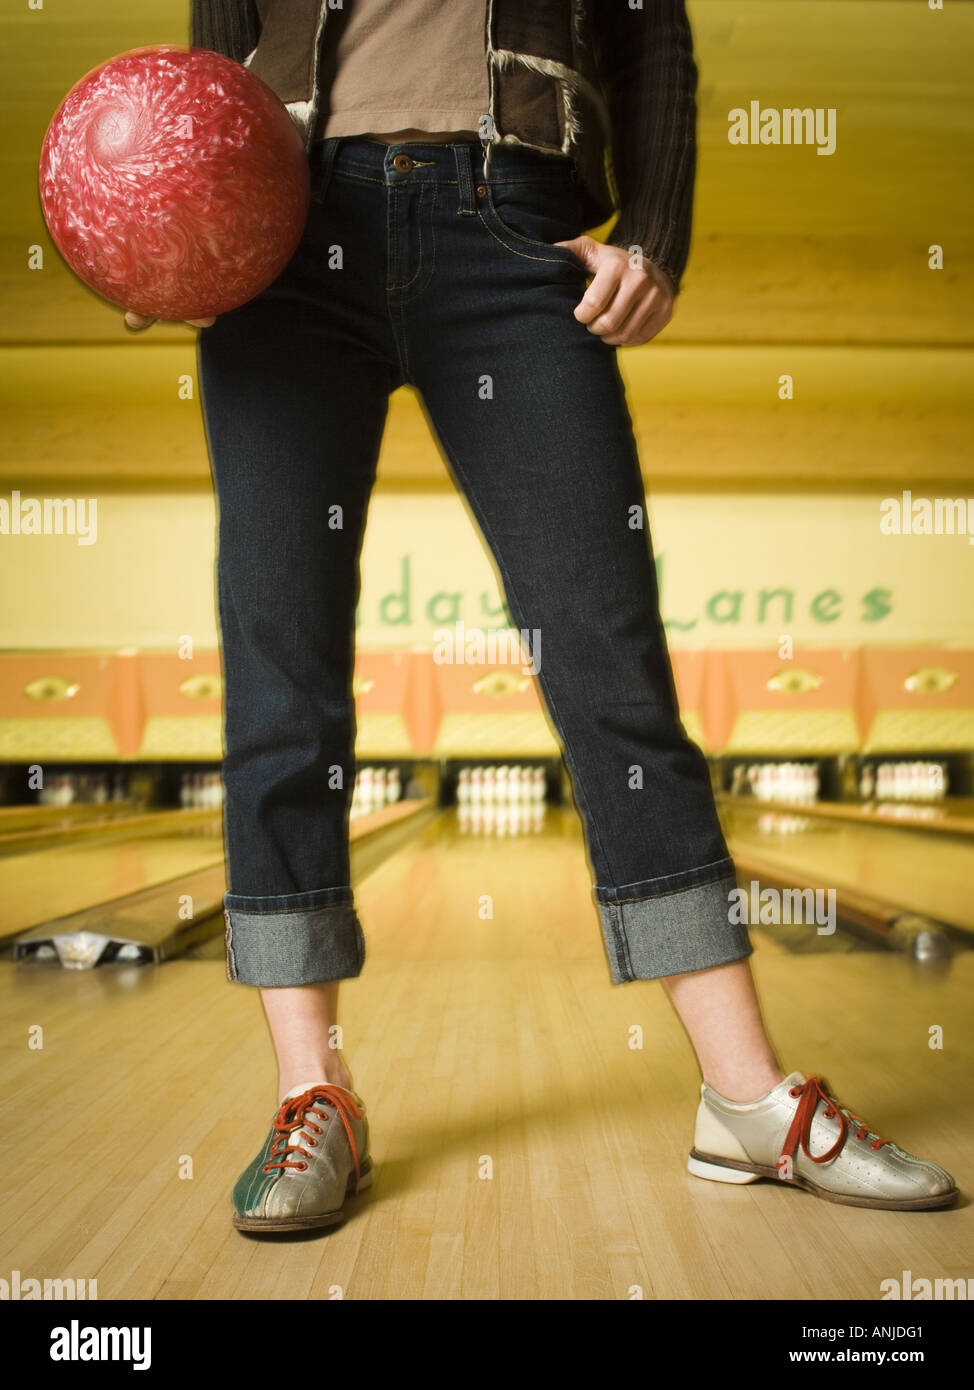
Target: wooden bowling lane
[(912, 869), (138, 823), (15, 819), (952, 816), (40, 887), (118, 860), (523, 1147)]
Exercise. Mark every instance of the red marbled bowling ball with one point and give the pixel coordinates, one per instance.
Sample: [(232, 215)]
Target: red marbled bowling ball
[(174, 182)]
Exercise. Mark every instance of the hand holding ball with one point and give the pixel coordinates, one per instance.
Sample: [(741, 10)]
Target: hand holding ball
[(174, 182)]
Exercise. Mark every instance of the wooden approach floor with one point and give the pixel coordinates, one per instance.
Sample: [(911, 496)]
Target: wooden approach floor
[(478, 1045)]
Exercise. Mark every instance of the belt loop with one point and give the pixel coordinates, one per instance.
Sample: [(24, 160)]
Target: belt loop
[(326, 161), (467, 201)]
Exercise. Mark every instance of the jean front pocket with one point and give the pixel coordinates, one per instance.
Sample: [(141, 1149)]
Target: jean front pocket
[(528, 216)]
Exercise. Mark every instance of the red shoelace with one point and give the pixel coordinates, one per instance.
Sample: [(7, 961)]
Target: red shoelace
[(291, 1116), (808, 1094)]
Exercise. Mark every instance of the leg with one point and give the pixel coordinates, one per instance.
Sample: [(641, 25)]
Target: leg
[(301, 1021), (548, 463), (293, 445), (720, 1011), (607, 683), (295, 388)]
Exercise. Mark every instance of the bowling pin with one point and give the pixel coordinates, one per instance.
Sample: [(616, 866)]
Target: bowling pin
[(538, 786)]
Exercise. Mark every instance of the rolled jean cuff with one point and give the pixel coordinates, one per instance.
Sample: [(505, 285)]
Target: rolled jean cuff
[(672, 925), (294, 938)]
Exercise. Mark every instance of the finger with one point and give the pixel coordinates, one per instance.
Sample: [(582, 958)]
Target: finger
[(137, 321), (630, 300), (600, 294), (646, 323), (638, 330), (646, 310), (201, 323)]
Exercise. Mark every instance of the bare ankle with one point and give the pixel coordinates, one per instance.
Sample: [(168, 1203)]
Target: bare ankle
[(743, 1087), (332, 1072)]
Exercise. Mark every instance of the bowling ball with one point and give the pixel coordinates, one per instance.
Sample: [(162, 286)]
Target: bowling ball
[(174, 182)]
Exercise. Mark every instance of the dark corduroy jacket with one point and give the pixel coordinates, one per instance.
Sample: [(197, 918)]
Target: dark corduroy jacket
[(612, 86)]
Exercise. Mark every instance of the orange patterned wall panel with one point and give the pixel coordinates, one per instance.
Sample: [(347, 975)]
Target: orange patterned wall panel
[(917, 698), (391, 704), (61, 706), (178, 704), (757, 702), (80, 706), (489, 708), (689, 676)]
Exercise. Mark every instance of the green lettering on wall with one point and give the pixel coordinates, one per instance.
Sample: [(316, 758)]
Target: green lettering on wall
[(670, 622), (453, 600), (766, 595), (401, 598), (499, 612), (716, 603), (826, 606), (876, 605)]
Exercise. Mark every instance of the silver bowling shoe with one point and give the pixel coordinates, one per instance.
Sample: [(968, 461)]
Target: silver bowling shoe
[(801, 1135), (315, 1157)]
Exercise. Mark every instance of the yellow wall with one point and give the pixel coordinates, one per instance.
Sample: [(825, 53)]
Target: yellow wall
[(148, 578)]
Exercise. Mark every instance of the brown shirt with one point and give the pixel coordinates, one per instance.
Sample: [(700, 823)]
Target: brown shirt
[(404, 71)]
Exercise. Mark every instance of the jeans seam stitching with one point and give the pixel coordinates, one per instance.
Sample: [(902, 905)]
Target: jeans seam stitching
[(404, 285), (698, 868), (284, 911), (672, 892), (622, 943)]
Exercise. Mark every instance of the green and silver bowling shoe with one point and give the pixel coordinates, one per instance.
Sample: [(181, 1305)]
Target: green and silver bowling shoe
[(315, 1158), (801, 1135)]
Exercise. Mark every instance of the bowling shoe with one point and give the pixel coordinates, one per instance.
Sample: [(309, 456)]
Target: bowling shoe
[(800, 1134), (315, 1157)]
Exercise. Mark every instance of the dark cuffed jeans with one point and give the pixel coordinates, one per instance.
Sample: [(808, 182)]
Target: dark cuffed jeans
[(414, 270)]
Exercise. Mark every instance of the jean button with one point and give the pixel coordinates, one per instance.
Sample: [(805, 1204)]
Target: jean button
[(402, 163)]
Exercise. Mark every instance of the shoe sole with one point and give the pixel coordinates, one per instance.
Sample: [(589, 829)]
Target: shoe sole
[(306, 1223), (718, 1169)]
